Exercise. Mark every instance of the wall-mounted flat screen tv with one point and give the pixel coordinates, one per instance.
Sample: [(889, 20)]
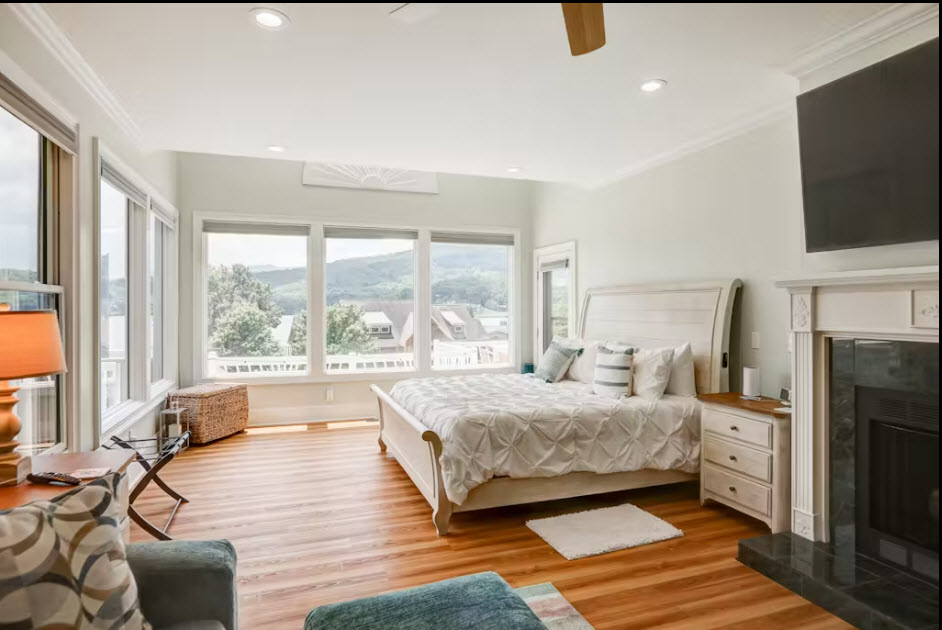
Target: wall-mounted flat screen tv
[(870, 154)]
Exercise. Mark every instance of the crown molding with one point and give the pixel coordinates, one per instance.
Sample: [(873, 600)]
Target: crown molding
[(743, 125), (35, 17), (882, 25)]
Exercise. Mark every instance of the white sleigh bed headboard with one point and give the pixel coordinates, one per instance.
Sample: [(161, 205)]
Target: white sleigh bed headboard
[(658, 315)]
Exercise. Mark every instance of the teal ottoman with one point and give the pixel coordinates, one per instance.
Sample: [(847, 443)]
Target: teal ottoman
[(483, 601)]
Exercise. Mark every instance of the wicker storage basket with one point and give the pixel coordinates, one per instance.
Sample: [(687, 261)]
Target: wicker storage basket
[(213, 411)]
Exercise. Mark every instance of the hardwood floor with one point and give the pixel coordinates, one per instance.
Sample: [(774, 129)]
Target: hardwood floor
[(321, 516)]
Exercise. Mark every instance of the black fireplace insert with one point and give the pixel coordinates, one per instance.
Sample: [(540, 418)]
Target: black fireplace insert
[(897, 478)]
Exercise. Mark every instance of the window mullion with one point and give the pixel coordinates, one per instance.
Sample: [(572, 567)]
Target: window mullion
[(136, 350), (423, 303), (316, 301)]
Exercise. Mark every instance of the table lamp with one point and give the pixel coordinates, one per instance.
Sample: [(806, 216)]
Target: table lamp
[(30, 345)]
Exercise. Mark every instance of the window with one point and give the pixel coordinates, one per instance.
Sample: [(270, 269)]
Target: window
[(256, 299), (28, 276), (555, 293), (370, 300), (20, 211), (324, 301), (113, 287), (136, 303), (471, 309)]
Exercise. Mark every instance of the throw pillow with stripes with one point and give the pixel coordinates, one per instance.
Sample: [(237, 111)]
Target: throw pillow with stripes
[(613, 371), (556, 361)]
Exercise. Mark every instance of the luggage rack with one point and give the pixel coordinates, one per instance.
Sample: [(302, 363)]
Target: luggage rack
[(153, 454)]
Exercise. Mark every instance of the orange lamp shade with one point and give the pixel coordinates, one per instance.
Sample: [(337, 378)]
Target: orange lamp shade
[(30, 344)]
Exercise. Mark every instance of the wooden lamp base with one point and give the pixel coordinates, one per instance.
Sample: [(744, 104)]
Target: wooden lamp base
[(13, 467)]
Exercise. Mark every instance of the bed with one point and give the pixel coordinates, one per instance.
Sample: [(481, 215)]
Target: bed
[(501, 434)]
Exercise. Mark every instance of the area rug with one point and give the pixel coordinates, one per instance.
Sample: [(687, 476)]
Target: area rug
[(593, 532), (552, 608)]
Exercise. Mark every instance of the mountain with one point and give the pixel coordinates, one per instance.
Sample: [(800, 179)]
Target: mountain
[(476, 276)]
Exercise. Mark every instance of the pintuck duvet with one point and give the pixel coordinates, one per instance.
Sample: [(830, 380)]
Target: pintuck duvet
[(514, 425)]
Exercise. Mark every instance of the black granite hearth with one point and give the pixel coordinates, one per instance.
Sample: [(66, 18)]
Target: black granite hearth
[(861, 591)]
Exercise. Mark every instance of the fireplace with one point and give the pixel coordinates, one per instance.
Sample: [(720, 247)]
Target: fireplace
[(865, 441), (898, 479), (884, 451)]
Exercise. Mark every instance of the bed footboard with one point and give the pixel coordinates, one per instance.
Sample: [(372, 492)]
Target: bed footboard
[(417, 449)]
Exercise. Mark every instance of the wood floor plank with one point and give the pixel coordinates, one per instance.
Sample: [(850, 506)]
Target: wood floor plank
[(320, 516)]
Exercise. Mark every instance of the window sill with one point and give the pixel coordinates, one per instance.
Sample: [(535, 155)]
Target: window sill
[(358, 377), (130, 413)]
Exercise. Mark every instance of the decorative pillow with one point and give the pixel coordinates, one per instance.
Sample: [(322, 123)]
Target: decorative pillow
[(652, 372), (613, 367), (63, 564), (556, 360), (583, 364), (683, 381)]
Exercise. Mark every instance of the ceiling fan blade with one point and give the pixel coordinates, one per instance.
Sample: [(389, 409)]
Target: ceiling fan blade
[(585, 26)]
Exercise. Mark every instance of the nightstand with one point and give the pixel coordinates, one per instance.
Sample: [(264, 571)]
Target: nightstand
[(745, 457)]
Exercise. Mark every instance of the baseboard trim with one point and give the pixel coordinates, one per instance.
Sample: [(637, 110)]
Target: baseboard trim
[(272, 416)]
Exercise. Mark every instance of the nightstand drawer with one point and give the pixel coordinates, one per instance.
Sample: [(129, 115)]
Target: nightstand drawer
[(750, 494), (738, 427), (740, 458)]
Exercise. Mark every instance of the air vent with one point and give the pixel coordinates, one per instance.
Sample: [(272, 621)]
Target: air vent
[(893, 408), (915, 411), (924, 412)]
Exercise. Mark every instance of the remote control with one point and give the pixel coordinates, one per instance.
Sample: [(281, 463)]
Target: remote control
[(53, 478)]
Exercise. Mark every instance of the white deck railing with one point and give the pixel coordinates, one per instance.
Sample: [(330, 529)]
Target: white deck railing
[(450, 355)]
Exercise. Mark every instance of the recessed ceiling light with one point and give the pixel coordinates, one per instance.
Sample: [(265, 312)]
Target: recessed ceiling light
[(269, 19), (276, 148), (514, 169), (653, 85)]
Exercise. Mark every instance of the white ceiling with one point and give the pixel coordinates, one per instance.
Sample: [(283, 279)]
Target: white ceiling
[(473, 88)]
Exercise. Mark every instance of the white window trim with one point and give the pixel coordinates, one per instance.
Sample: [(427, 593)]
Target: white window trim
[(25, 99), (144, 396), (317, 301), (543, 256)]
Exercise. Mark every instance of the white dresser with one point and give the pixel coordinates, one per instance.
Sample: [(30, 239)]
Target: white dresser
[(745, 457)]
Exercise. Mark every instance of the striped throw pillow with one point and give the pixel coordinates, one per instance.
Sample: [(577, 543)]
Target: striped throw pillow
[(556, 361), (613, 368)]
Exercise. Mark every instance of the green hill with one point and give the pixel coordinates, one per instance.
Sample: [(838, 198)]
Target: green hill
[(461, 275)]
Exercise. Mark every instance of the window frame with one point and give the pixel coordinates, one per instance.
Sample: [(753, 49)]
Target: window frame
[(325, 372), (143, 395), (542, 256), (317, 299), (58, 164)]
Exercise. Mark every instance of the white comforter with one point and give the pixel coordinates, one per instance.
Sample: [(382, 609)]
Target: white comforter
[(518, 426)]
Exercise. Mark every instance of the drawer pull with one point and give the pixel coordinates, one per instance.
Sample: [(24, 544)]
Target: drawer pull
[(732, 488), (732, 458), (733, 427)]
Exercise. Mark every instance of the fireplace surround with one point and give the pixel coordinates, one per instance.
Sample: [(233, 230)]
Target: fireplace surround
[(864, 539), (883, 429)]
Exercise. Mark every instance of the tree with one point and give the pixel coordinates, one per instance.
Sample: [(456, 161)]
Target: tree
[(242, 313), (244, 331), (297, 338), (347, 331), (230, 285)]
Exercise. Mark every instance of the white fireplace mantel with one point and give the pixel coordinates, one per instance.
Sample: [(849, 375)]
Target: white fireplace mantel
[(899, 304)]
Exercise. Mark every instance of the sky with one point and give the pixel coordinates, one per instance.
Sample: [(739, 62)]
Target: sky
[(291, 251), (19, 193)]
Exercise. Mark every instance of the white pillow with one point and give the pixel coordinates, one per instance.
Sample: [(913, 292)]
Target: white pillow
[(582, 368), (683, 381), (613, 366), (652, 371)]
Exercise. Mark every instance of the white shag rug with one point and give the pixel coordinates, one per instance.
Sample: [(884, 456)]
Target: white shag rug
[(593, 532)]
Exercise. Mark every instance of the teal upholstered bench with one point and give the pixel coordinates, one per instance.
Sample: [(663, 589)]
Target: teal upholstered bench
[(483, 601)]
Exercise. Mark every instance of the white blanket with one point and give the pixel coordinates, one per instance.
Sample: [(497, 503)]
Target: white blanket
[(514, 425)]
